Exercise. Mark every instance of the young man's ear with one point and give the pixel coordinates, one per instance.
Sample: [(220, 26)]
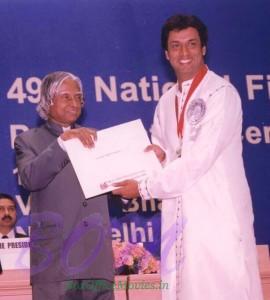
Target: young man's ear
[(167, 55)]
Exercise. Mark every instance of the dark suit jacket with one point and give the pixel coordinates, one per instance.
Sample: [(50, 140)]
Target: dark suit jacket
[(19, 235), (70, 235)]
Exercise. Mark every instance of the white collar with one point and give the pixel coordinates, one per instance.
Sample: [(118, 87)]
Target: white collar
[(10, 235), (66, 128), (185, 87)]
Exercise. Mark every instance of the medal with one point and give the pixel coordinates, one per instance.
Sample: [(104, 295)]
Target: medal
[(198, 110), (179, 149)]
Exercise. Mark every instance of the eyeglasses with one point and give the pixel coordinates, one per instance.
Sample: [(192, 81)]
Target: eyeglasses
[(68, 98)]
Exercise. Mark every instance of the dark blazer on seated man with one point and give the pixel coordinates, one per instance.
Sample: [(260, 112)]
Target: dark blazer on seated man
[(71, 249), (20, 235)]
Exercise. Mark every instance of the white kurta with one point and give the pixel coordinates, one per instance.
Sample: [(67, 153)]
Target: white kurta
[(208, 249)]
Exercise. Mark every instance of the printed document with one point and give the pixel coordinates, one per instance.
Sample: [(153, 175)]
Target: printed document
[(118, 155)]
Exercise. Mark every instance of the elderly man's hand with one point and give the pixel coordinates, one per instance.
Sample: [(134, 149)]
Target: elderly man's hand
[(127, 189), (86, 135)]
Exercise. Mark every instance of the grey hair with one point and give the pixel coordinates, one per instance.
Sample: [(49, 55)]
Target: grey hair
[(49, 85)]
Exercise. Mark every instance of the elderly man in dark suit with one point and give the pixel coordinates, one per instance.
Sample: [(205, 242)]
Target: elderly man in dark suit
[(71, 250)]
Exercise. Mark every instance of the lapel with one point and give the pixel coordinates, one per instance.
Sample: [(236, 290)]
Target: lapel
[(56, 129)]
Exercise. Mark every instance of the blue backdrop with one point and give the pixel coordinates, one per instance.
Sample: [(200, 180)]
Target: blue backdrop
[(114, 47)]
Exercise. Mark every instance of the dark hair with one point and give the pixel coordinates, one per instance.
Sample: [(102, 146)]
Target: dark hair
[(7, 196), (179, 22)]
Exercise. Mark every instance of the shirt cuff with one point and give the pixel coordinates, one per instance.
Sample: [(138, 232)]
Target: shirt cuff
[(143, 190), (61, 144), (125, 201)]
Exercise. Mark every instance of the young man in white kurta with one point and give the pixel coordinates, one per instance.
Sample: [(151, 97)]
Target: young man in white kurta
[(208, 249), (206, 199)]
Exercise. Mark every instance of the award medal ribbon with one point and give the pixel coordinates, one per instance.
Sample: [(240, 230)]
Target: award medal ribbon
[(180, 120)]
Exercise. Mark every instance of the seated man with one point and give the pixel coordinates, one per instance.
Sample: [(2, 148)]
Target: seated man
[(8, 217)]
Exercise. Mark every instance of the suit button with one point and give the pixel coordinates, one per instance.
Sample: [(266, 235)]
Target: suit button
[(85, 223), (84, 203)]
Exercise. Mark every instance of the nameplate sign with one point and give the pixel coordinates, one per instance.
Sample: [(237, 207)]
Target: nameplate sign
[(14, 253)]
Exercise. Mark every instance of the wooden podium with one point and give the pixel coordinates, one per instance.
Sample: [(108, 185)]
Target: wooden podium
[(14, 284), (264, 266)]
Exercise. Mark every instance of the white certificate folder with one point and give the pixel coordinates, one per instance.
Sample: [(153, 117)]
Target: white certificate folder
[(118, 155)]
